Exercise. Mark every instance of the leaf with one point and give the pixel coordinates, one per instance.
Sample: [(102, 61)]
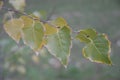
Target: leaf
[(59, 45), (33, 35), (18, 4), (84, 35), (1, 4), (13, 28), (97, 47), (59, 22), (49, 29), (27, 21)]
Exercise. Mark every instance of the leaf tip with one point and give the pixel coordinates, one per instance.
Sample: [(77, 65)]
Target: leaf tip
[(108, 62)]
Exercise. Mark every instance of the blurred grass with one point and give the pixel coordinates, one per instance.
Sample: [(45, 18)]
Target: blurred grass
[(103, 15)]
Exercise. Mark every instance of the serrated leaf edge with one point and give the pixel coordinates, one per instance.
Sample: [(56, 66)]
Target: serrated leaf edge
[(83, 51), (68, 54)]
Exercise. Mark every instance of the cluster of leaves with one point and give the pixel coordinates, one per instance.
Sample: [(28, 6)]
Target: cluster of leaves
[(55, 35)]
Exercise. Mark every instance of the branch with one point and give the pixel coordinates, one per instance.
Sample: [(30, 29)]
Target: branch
[(43, 21), (22, 13)]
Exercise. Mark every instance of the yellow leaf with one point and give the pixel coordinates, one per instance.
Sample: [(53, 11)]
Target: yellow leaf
[(59, 22), (27, 21), (49, 29), (44, 42), (13, 28)]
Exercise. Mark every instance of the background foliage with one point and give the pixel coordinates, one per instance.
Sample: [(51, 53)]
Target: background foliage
[(21, 63)]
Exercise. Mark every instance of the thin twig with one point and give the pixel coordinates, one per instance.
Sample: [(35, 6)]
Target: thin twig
[(25, 14), (50, 14), (52, 11), (22, 13)]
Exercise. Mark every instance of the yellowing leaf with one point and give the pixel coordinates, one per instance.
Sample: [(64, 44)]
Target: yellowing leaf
[(59, 45), (1, 4), (49, 29), (27, 21), (98, 50), (44, 42), (97, 47), (84, 35), (59, 22), (13, 28), (33, 35)]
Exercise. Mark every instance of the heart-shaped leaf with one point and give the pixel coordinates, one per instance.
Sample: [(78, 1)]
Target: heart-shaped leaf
[(32, 34), (13, 28), (97, 47), (59, 44)]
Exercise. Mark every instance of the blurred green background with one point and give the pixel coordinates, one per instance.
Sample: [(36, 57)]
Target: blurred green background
[(19, 62)]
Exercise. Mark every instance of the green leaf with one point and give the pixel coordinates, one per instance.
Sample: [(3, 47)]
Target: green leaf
[(84, 35), (33, 35), (59, 45), (97, 47), (13, 28)]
